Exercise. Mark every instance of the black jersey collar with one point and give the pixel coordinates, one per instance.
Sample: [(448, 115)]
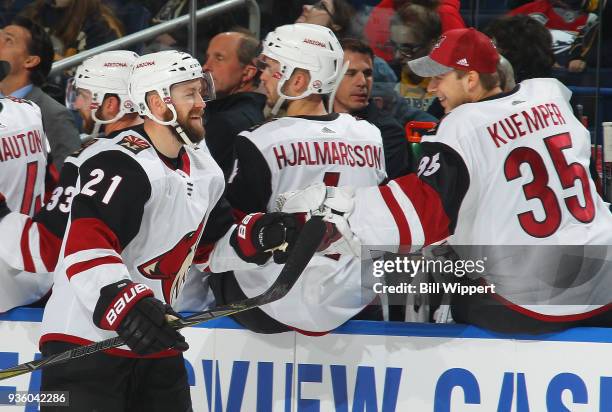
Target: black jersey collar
[(501, 95), (322, 118)]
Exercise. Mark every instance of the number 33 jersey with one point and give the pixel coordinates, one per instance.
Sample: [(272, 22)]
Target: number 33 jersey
[(23, 155), (134, 215), (509, 170)]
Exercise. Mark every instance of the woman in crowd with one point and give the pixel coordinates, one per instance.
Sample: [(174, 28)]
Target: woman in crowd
[(75, 25)]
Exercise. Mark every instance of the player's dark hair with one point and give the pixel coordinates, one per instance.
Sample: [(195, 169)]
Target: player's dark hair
[(356, 46), (526, 43), (488, 81), (39, 45), (342, 18)]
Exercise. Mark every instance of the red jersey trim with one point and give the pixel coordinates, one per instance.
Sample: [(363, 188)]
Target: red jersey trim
[(90, 233), (405, 238), (428, 206), (238, 215), (308, 333), (550, 318), (186, 163), (28, 262), (88, 264), (50, 246)]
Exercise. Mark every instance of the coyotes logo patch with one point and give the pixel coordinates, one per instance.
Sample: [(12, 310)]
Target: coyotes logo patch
[(134, 144), (171, 267)]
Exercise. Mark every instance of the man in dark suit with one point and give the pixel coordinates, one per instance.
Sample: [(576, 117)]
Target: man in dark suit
[(28, 49), (230, 59)]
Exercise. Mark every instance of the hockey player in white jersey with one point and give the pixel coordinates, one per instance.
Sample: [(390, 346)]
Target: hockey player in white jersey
[(98, 92), (23, 162), (303, 62), (101, 86), (508, 170), (148, 203), (23, 155)]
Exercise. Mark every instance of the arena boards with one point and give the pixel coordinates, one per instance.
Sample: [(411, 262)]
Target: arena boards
[(369, 366)]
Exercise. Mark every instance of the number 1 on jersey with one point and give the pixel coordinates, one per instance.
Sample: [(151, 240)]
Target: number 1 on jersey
[(28, 191)]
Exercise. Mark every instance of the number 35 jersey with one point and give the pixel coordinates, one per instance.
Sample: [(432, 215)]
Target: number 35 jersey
[(527, 158), (23, 155), (508, 170), (136, 215)]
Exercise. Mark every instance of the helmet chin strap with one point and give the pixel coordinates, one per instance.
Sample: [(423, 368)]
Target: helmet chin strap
[(277, 105), (182, 134), (332, 95), (173, 123), (95, 133)]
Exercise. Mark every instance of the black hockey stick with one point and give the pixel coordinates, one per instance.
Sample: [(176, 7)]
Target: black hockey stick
[(306, 245)]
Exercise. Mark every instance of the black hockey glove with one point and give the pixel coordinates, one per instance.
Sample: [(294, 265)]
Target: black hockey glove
[(140, 319), (4, 210), (259, 235)]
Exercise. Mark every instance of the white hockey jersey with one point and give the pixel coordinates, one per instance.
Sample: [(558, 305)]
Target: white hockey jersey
[(137, 215), (292, 153), (23, 155), (508, 170)]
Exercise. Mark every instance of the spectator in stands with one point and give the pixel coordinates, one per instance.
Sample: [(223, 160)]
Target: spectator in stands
[(9, 9), (335, 14), (28, 49), (526, 43), (414, 30), (231, 60), (564, 18), (75, 25), (377, 29), (353, 96), (583, 52), (556, 14)]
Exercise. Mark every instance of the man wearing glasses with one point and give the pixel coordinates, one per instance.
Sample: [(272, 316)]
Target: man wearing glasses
[(414, 30)]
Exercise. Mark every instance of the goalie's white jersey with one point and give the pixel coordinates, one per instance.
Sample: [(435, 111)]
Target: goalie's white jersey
[(509, 170), (528, 160), (293, 153), (23, 155)]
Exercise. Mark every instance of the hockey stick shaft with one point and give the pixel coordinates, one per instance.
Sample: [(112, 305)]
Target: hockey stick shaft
[(305, 247)]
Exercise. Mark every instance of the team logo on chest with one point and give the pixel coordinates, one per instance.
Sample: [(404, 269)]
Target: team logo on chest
[(171, 267), (134, 144)]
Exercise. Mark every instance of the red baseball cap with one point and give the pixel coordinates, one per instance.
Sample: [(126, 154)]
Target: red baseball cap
[(462, 49)]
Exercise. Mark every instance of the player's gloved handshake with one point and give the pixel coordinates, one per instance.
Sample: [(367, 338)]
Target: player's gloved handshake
[(140, 319), (335, 205), (4, 210), (260, 236)]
